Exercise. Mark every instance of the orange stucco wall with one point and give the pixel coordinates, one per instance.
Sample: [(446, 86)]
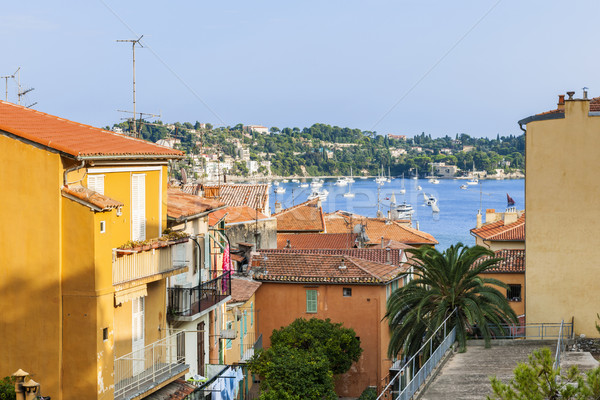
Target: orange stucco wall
[(511, 279), (279, 304)]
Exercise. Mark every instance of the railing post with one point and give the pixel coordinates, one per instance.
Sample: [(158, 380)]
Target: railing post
[(153, 363)]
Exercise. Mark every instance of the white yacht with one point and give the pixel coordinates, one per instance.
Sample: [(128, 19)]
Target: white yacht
[(304, 185), (431, 200), (280, 190), (317, 183), (404, 210), (464, 187), (341, 182), (295, 181), (321, 194)]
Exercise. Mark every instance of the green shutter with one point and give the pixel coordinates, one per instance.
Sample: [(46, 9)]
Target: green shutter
[(311, 301)]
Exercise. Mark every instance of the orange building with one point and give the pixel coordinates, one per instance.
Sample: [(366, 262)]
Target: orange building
[(344, 288)]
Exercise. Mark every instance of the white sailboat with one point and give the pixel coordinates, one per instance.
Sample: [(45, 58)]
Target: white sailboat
[(349, 193), (351, 179), (402, 189), (380, 179), (473, 180)]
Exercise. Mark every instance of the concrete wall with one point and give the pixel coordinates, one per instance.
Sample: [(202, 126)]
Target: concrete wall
[(563, 216), (279, 304), (244, 232)]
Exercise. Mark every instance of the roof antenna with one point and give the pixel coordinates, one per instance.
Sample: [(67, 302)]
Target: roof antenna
[(6, 78), (133, 43)]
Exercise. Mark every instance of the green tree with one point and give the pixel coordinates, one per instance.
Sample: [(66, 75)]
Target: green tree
[(538, 380), (441, 283), (303, 358), (7, 388)]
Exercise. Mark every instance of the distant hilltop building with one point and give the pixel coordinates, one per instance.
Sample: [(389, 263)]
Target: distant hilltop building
[(168, 142), (466, 149), (399, 137), (256, 128)]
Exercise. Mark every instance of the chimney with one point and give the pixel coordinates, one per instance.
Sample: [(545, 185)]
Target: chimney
[(585, 93), (561, 102), (490, 215), (510, 216), (417, 225), (20, 376), (388, 255), (288, 245), (342, 266), (277, 207), (382, 242), (570, 94)]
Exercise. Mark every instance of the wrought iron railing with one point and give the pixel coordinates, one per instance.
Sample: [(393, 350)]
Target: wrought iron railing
[(410, 377), (129, 265), (144, 369), (186, 302)]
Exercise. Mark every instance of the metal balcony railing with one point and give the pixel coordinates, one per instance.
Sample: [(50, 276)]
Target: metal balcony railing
[(187, 302), (128, 266), (148, 367), (541, 331), (249, 345)]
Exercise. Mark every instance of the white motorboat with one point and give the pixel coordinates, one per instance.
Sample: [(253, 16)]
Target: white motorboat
[(304, 185), (316, 183), (430, 200), (285, 181), (404, 211), (473, 181), (280, 190), (320, 194), (348, 194), (419, 187), (295, 181), (341, 182), (275, 183), (464, 187), (434, 181)]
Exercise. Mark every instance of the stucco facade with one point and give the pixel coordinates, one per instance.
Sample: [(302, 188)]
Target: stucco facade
[(563, 216)]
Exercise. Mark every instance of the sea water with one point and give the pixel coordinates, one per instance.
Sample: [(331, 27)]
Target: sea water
[(458, 207)]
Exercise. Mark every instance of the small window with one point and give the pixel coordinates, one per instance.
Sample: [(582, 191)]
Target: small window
[(513, 293), (228, 342), (347, 292), (311, 301), (105, 334), (102, 226)]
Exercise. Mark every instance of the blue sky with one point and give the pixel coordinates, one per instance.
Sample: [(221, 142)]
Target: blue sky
[(402, 67)]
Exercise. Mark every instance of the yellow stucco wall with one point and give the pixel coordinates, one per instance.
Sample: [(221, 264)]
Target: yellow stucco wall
[(30, 258), (563, 216)]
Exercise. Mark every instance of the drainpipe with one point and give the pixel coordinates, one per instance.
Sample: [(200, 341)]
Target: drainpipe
[(195, 240), (65, 183)]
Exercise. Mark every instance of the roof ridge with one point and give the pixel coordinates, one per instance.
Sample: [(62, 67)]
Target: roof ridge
[(296, 206)]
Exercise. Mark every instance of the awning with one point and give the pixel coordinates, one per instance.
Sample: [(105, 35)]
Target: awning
[(123, 296)]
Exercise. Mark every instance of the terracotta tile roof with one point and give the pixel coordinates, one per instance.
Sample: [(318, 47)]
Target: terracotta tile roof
[(317, 240), (242, 289), (75, 139), (176, 390), (376, 228), (94, 199), (235, 214), (497, 231), (181, 205), (594, 107), (304, 217), (320, 268), (513, 261), (377, 255), (255, 196)]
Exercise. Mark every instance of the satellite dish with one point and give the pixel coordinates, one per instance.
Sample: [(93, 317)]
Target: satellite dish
[(358, 228)]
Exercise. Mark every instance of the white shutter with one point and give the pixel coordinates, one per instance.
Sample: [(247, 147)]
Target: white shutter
[(179, 255), (96, 183), (137, 334), (138, 207)]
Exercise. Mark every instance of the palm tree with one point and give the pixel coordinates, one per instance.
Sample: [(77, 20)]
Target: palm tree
[(441, 283)]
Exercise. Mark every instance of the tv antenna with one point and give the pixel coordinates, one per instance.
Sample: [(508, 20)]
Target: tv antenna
[(133, 43), (6, 78)]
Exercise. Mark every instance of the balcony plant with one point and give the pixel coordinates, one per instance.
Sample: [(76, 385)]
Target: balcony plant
[(168, 238)]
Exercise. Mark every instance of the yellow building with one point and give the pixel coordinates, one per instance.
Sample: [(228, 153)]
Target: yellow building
[(562, 192), (82, 312)]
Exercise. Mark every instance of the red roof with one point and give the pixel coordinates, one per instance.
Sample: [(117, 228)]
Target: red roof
[(255, 196), (497, 231), (513, 261), (594, 107), (181, 205), (316, 240), (376, 228), (236, 214), (75, 139), (242, 289), (304, 217), (370, 254), (320, 268), (88, 196)]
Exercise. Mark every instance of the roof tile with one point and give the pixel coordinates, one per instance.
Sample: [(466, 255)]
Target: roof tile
[(316, 240), (73, 138), (242, 289), (497, 231), (181, 205), (304, 217), (93, 198), (513, 261), (236, 214)]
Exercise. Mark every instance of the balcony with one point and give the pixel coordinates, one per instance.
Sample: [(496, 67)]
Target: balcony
[(249, 346), (150, 368), (131, 265), (185, 303)]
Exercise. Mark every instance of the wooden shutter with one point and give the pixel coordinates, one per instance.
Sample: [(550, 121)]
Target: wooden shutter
[(138, 207), (311, 301), (96, 183)]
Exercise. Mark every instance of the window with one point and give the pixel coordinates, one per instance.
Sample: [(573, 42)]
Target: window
[(138, 207), (347, 292), (311, 301), (513, 293), (102, 226), (251, 314), (105, 334), (96, 183), (228, 343)]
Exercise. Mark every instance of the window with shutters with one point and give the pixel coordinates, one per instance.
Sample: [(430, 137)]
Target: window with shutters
[(311, 301), (138, 207), (137, 333), (96, 183), (179, 255)]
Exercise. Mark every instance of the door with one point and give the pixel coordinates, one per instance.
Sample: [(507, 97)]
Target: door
[(137, 335), (138, 207), (200, 338)]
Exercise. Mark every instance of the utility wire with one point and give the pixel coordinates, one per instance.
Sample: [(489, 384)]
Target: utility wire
[(435, 65)]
